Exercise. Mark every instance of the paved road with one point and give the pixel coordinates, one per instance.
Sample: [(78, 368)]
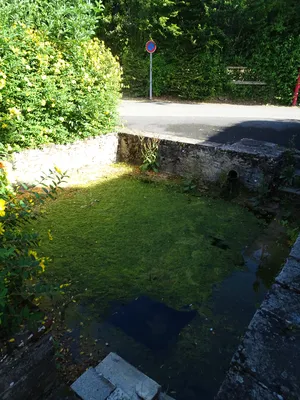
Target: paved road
[(221, 123)]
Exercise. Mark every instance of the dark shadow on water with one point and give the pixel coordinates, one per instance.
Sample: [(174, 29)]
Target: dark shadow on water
[(150, 322)]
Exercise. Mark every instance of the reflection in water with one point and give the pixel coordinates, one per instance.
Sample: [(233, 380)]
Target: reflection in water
[(267, 255)]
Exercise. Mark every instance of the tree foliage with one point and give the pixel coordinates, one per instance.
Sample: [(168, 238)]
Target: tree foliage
[(197, 40)]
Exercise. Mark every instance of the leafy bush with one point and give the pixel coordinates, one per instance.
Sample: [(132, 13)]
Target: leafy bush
[(54, 90), (20, 266), (200, 76), (277, 62), (136, 79)]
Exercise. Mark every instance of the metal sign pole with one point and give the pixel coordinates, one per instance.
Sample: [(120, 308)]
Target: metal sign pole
[(150, 76), (151, 48)]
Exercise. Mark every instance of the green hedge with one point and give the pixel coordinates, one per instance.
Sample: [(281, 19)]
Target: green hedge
[(52, 92), (204, 75), (200, 76)]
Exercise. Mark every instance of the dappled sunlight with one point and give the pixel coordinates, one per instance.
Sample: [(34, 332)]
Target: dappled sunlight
[(89, 177)]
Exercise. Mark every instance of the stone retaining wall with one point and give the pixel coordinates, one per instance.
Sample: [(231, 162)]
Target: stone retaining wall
[(266, 365), (255, 163), (27, 166)]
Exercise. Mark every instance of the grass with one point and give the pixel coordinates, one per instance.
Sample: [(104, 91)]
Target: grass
[(121, 237)]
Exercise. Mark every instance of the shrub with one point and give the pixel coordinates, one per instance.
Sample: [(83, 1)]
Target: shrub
[(21, 268), (52, 92), (136, 73), (198, 76), (277, 63)]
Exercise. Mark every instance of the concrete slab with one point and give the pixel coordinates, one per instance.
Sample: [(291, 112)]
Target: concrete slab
[(289, 190), (91, 386), (258, 148), (243, 387), (127, 378), (270, 352), (295, 252), (118, 394), (290, 274)]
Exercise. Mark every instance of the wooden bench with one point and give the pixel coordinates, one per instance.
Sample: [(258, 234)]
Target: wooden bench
[(240, 71)]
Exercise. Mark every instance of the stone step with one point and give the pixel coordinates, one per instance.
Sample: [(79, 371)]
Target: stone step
[(115, 379), (290, 190), (91, 386), (126, 377), (118, 394)]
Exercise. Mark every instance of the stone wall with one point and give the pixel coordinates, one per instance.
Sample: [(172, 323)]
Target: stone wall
[(254, 162), (266, 365), (29, 372), (27, 166)]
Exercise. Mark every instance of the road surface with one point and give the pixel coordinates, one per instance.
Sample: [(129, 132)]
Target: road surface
[(221, 123)]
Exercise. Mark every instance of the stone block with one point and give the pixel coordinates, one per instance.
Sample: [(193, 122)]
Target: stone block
[(118, 394), (258, 148), (284, 304), (295, 252), (91, 386), (290, 275), (270, 353), (240, 386), (254, 161), (129, 379)]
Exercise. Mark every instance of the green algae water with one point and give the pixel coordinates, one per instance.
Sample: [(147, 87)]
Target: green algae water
[(121, 239)]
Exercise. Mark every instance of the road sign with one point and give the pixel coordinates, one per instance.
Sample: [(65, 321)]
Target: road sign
[(151, 46)]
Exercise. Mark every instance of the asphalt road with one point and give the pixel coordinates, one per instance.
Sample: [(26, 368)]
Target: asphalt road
[(221, 123)]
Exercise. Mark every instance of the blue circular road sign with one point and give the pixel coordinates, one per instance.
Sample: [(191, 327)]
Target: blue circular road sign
[(151, 46)]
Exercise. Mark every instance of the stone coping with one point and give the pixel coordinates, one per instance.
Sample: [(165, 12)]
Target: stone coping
[(266, 365)]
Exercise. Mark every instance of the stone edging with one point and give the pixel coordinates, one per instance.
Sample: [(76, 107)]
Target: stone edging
[(266, 365), (28, 165), (256, 163)]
